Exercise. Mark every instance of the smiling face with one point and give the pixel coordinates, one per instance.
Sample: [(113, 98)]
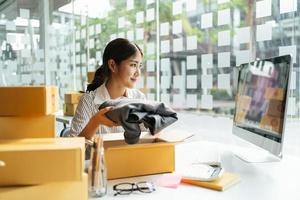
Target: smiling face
[(127, 73)]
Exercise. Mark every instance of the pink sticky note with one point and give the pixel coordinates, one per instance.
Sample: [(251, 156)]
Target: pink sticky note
[(170, 180)]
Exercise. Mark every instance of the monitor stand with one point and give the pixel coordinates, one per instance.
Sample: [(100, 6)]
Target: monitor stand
[(254, 155)]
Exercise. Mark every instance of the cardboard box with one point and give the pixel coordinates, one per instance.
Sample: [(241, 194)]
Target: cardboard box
[(90, 77), (39, 161), (150, 156), (70, 109), (70, 190), (73, 97), (275, 108), (272, 123), (28, 100), (27, 127), (275, 93)]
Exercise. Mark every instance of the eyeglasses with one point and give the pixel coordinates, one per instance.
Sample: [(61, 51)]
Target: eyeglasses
[(127, 188)]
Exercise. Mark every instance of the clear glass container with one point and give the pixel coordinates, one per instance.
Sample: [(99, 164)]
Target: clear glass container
[(97, 170)]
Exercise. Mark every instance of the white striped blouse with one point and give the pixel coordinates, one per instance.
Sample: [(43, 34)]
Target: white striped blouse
[(88, 107)]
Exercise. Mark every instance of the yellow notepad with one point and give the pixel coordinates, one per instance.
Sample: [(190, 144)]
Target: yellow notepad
[(221, 184)]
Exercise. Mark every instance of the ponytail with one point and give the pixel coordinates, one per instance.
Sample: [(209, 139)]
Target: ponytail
[(101, 75)]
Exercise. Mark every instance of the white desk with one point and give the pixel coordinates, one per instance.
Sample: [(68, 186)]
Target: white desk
[(259, 181)]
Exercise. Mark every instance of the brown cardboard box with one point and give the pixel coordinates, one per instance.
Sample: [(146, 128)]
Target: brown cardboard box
[(39, 161), (275, 108), (66, 190), (271, 123), (73, 97), (274, 93), (150, 156), (28, 100), (70, 109), (27, 127), (90, 77)]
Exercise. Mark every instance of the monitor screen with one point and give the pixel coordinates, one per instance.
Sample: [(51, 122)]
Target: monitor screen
[(261, 98)]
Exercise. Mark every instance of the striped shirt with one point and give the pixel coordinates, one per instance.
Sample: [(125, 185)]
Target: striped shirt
[(88, 107)]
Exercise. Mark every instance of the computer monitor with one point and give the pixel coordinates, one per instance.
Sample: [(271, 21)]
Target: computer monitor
[(261, 107)]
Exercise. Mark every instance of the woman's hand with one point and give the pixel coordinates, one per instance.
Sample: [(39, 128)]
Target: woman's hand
[(102, 119)]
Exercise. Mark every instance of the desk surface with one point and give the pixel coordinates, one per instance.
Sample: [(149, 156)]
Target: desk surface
[(259, 181)]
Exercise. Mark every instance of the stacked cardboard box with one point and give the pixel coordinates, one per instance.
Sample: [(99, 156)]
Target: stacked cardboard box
[(28, 111), (90, 77), (273, 117), (71, 101), (32, 167)]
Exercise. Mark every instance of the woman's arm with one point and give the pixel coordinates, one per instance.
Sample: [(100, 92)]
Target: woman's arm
[(98, 119)]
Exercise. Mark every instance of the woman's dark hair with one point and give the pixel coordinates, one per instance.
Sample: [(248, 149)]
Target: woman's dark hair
[(119, 50)]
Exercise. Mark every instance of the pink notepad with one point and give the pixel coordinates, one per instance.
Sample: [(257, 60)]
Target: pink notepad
[(170, 180)]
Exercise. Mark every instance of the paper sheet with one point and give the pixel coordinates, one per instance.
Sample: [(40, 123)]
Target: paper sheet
[(139, 34), (150, 65), (191, 81), (165, 64), (191, 5), (206, 101), (191, 101), (191, 62), (224, 81), (140, 17), (287, 6), (223, 59), (150, 14), (223, 17), (177, 44), (150, 48), (284, 50), (177, 27), (243, 35), (150, 82), (191, 42), (206, 81), (164, 28), (130, 4), (206, 61), (224, 38), (165, 46), (177, 7), (242, 57), (263, 8), (206, 20), (264, 32)]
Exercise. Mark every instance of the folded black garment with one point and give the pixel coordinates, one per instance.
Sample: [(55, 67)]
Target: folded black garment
[(131, 112)]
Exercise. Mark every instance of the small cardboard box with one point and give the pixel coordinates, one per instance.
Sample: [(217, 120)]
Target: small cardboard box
[(70, 109), (275, 108), (28, 100), (73, 97), (150, 156), (27, 127), (90, 77), (271, 123), (66, 190), (274, 93), (39, 161)]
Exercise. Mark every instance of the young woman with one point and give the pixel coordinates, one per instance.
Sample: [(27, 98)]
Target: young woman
[(115, 78)]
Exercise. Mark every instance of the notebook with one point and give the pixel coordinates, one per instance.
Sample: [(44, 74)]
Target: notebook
[(227, 180)]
